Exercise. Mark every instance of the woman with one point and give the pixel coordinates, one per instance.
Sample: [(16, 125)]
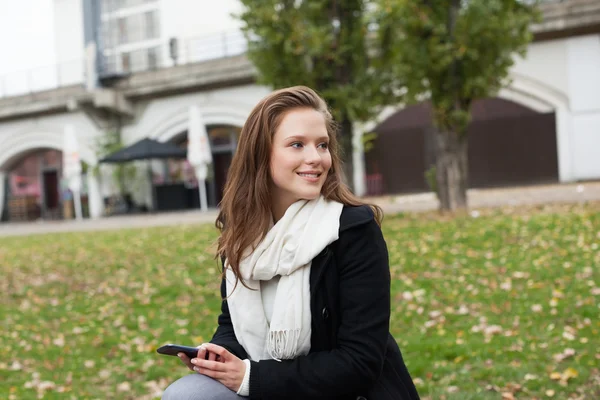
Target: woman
[(306, 286)]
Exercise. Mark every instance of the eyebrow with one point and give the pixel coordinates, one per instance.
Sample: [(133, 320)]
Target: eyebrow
[(302, 137)]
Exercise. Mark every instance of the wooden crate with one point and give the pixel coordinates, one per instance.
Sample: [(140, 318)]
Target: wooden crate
[(23, 208)]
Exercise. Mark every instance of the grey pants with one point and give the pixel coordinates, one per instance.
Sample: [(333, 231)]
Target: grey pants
[(198, 387)]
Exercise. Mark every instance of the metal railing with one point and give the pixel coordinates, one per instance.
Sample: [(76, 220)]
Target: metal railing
[(42, 78), (165, 55), (176, 52)]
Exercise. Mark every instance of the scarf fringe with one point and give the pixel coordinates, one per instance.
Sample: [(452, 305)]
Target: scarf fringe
[(283, 345)]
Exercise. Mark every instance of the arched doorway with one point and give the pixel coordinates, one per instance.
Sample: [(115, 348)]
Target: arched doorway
[(32, 186), (223, 142), (509, 144)]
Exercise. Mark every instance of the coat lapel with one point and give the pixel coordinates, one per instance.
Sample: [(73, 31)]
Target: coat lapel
[(317, 269)]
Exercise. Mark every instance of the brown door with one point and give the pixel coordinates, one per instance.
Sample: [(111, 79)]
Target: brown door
[(221, 162), (51, 190)]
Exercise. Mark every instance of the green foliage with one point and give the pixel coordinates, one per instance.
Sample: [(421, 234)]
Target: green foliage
[(123, 173), (503, 303), (431, 178), (368, 141), (333, 47), (456, 51)]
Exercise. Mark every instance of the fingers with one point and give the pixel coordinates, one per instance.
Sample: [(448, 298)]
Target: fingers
[(218, 375), (202, 352), (210, 365), (218, 350), (185, 359)]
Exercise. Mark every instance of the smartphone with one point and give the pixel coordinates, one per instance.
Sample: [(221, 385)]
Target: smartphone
[(173, 349)]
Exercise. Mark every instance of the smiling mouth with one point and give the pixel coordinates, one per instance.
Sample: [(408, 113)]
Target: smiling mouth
[(309, 175)]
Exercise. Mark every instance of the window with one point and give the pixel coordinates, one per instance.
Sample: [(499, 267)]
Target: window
[(150, 22), (137, 27), (132, 3), (153, 58), (130, 31), (123, 31), (126, 62)]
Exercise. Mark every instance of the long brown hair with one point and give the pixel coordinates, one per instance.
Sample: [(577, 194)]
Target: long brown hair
[(245, 211)]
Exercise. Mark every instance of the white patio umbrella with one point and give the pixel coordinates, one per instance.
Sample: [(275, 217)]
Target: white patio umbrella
[(72, 167), (198, 154)]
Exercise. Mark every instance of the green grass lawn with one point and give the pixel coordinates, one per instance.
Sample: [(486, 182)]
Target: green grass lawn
[(500, 306)]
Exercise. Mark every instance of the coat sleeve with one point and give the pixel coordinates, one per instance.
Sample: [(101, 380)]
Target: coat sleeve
[(357, 361), (225, 335)]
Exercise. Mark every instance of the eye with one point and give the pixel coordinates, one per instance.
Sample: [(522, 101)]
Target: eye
[(296, 145), (324, 145)]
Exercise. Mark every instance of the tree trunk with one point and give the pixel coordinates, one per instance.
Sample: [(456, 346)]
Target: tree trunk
[(451, 170), (345, 143)]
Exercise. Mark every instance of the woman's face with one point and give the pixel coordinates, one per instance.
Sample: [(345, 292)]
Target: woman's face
[(300, 158)]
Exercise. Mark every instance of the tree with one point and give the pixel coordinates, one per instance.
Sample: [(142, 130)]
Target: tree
[(123, 173), (332, 46), (453, 52)]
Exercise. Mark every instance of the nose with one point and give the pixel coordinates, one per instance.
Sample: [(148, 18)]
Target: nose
[(312, 155)]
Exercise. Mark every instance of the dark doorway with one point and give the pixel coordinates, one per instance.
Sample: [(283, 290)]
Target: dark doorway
[(223, 142), (509, 144), (51, 195), (221, 162), (4, 210)]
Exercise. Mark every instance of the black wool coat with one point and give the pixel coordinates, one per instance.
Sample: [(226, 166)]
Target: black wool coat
[(352, 355)]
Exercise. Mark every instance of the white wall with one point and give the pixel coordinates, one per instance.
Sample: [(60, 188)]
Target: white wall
[(196, 18), (583, 59), (545, 62), (68, 41), (26, 44), (201, 27)]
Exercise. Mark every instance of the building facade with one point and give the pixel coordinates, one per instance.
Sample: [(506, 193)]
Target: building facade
[(136, 66)]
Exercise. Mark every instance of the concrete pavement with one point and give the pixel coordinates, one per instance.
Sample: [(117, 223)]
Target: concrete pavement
[(478, 198)]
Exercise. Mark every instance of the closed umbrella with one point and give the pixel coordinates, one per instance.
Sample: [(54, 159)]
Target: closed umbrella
[(72, 167), (199, 154)]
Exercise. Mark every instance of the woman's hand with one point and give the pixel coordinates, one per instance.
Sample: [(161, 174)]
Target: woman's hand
[(225, 368), (202, 353)]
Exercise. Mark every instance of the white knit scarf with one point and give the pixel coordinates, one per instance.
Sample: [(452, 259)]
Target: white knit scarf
[(287, 250)]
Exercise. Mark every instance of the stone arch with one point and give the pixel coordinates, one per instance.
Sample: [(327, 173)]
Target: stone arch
[(534, 94), (212, 115), (172, 126), (527, 95), (542, 97), (523, 90), (19, 144)]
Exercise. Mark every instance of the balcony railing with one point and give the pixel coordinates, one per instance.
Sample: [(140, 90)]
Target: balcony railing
[(42, 78), (149, 56), (175, 52), (165, 55)]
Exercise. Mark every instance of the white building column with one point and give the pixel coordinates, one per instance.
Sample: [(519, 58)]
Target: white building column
[(564, 124), (358, 160), (2, 194), (95, 203)]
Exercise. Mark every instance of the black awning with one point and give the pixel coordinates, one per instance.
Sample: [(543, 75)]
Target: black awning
[(145, 149)]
